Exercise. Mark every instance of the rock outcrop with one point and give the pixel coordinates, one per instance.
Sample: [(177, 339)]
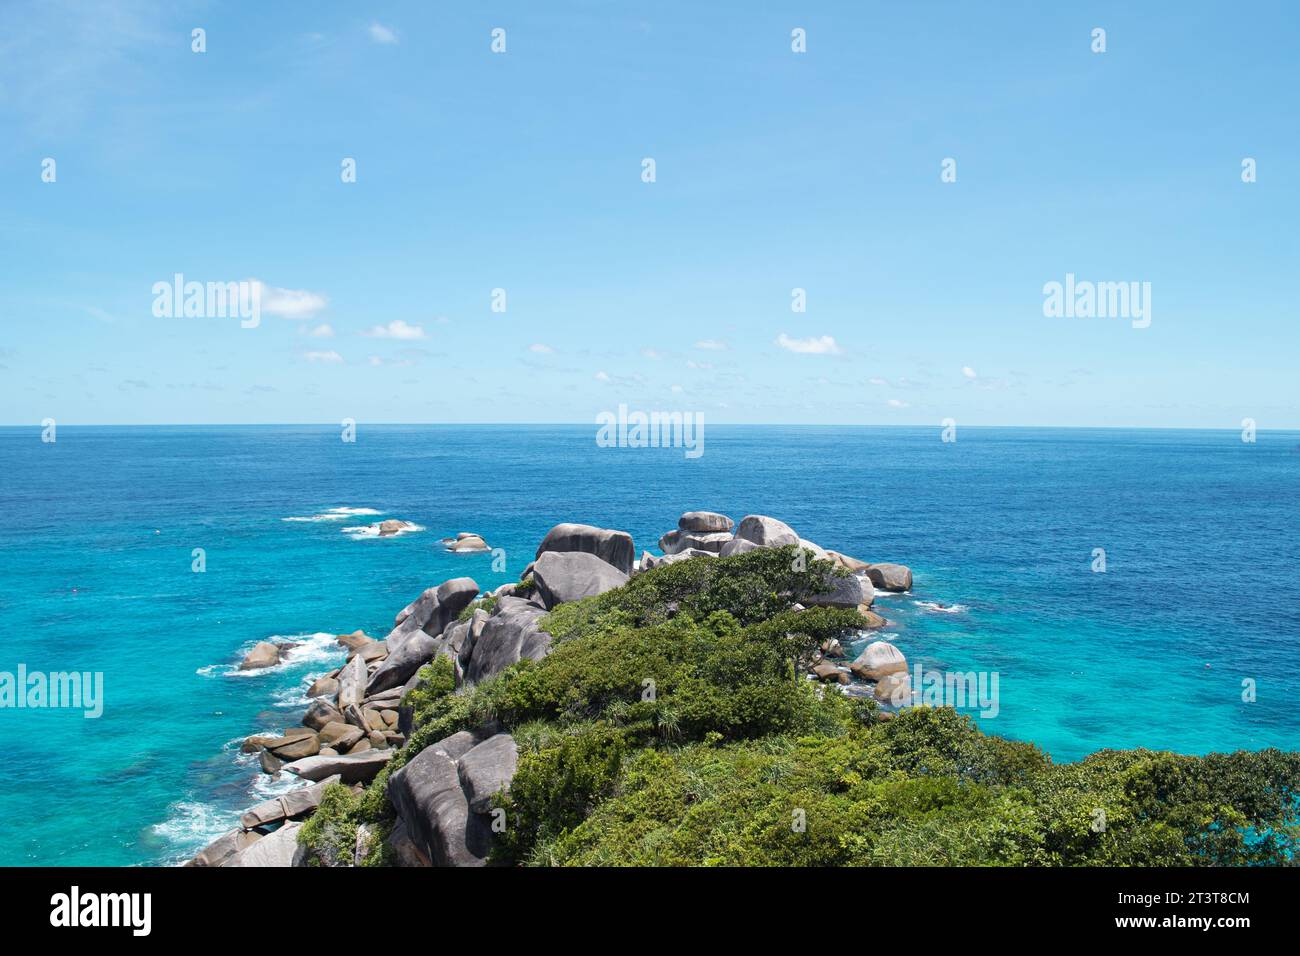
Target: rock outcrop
[(890, 577), (563, 576), (443, 796), (349, 768), (704, 521), (612, 547), (263, 654), (766, 532), (509, 635), (878, 661), (677, 541)]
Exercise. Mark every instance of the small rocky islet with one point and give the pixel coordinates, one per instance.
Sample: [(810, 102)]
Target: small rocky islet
[(360, 716)]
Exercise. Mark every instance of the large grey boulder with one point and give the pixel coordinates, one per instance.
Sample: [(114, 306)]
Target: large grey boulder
[(705, 521), (509, 635), (443, 796), (428, 797), (674, 542), (563, 576), (263, 654), (295, 747), (352, 683), (400, 664), (766, 532), (612, 547), (844, 592), (738, 546), (433, 610), (351, 768), (276, 849), (878, 661), (323, 687), (292, 804), (818, 552), (890, 577), (486, 770), (224, 847)]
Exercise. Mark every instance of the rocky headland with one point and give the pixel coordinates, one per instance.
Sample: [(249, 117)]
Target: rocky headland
[(698, 707), (360, 717)]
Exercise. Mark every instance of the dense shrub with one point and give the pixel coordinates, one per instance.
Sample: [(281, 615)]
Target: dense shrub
[(672, 724)]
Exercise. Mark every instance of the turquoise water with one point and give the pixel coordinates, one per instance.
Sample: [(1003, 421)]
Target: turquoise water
[(1201, 534)]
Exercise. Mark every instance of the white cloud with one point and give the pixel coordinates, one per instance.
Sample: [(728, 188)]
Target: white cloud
[(396, 329), (540, 348), (897, 403), (691, 363), (677, 388), (651, 353), (327, 358), (712, 345), (968, 371), (602, 376), (823, 345), (382, 34), (288, 303), (877, 381), (322, 331)]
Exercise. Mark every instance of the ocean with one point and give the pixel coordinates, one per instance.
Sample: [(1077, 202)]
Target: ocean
[(1187, 641)]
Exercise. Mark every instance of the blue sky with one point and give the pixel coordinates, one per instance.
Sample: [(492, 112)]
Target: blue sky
[(774, 171)]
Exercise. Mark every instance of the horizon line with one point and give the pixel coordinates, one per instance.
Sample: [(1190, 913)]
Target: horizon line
[(502, 424)]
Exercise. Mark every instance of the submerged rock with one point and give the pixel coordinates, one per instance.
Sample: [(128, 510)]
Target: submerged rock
[(263, 654), (468, 542)]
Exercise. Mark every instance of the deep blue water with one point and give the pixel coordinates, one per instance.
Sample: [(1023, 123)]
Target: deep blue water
[(1201, 532)]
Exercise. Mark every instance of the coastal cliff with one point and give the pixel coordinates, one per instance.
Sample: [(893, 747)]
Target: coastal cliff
[(698, 707)]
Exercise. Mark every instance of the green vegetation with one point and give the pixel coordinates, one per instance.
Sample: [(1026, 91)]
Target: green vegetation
[(671, 725)]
